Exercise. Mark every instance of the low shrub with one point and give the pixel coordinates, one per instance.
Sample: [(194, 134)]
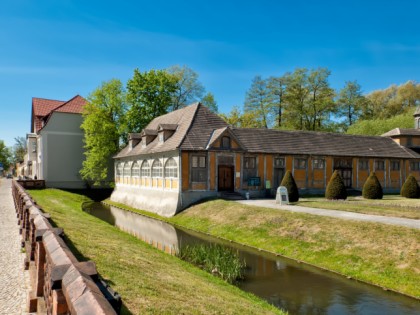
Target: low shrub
[(410, 188), (289, 182), (372, 188), (336, 188), (216, 259)]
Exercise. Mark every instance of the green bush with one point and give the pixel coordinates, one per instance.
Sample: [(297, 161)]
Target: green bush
[(372, 188), (336, 188), (411, 188), (289, 182)]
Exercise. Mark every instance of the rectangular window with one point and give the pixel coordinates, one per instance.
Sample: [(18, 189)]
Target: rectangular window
[(198, 169), (300, 164), (379, 165), (250, 168), (279, 162), (414, 166), (395, 165), (364, 164), (318, 163)]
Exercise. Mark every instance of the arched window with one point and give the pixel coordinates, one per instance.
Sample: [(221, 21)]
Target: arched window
[(135, 169), (171, 168), (120, 167), (145, 169), (157, 168), (127, 171)]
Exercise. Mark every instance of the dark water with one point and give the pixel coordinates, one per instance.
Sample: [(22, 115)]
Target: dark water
[(295, 287)]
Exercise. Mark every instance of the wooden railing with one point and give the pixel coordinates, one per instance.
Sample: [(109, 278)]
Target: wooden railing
[(66, 285)]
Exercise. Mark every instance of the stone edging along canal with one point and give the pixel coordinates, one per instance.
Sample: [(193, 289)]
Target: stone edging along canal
[(269, 252)]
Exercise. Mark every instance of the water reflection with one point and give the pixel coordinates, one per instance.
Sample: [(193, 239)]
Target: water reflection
[(297, 288)]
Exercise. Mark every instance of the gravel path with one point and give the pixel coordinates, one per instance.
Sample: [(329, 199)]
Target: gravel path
[(14, 280), (271, 203)]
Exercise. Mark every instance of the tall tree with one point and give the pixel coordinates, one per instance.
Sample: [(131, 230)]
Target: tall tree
[(150, 95), (297, 93), (237, 119), (277, 89), (104, 130), (350, 102), (320, 102), (188, 89), (258, 101), (19, 149), (209, 101), (5, 156)]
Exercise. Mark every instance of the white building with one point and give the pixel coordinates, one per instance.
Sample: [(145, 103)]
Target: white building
[(55, 144)]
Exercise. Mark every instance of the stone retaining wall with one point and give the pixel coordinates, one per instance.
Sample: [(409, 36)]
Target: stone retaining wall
[(60, 283)]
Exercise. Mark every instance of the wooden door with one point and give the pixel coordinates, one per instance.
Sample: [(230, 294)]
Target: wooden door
[(278, 176), (225, 178)]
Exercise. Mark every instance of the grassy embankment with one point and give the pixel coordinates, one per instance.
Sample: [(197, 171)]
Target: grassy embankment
[(390, 205), (149, 281), (385, 255)]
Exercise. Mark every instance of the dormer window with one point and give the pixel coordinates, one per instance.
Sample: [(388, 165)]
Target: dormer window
[(225, 142), (161, 137)]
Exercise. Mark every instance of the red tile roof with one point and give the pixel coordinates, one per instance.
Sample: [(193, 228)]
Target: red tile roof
[(42, 109)]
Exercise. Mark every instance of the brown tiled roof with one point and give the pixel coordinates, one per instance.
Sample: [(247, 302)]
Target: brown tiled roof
[(402, 132), (182, 118), (320, 143), (170, 127), (74, 105), (42, 109), (198, 127)]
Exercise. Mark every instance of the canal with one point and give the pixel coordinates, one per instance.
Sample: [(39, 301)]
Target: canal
[(287, 284)]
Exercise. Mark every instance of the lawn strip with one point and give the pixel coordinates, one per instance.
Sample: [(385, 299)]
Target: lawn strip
[(148, 280)]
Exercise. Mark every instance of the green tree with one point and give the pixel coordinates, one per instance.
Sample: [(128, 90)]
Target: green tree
[(237, 119), (320, 103), (376, 127), (150, 94), (19, 149), (209, 101), (336, 188), (297, 93), (5, 155), (188, 89), (277, 89), (350, 102), (410, 188), (258, 101), (104, 130), (289, 182), (372, 188)]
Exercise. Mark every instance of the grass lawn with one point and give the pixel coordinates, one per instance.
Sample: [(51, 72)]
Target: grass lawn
[(390, 205), (148, 280), (384, 255)]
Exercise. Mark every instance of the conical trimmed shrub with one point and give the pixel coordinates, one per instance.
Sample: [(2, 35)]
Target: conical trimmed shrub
[(410, 188), (289, 182), (372, 188), (336, 188)]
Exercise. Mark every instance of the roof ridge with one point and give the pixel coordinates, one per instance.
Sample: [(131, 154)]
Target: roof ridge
[(62, 105), (46, 99)]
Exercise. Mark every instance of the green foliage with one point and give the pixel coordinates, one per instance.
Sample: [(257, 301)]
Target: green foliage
[(209, 101), (350, 102), (5, 155), (242, 120), (258, 102), (188, 89), (380, 126), (336, 188), (392, 101), (104, 130), (150, 95), (216, 259), (410, 188), (19, 149), (372, 188), (289, 182)]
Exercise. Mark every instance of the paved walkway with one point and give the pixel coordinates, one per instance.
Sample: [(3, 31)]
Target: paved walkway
[(14, 280), (271, 203)]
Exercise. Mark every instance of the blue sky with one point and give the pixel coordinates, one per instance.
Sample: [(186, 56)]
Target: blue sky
[(57, 49)]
